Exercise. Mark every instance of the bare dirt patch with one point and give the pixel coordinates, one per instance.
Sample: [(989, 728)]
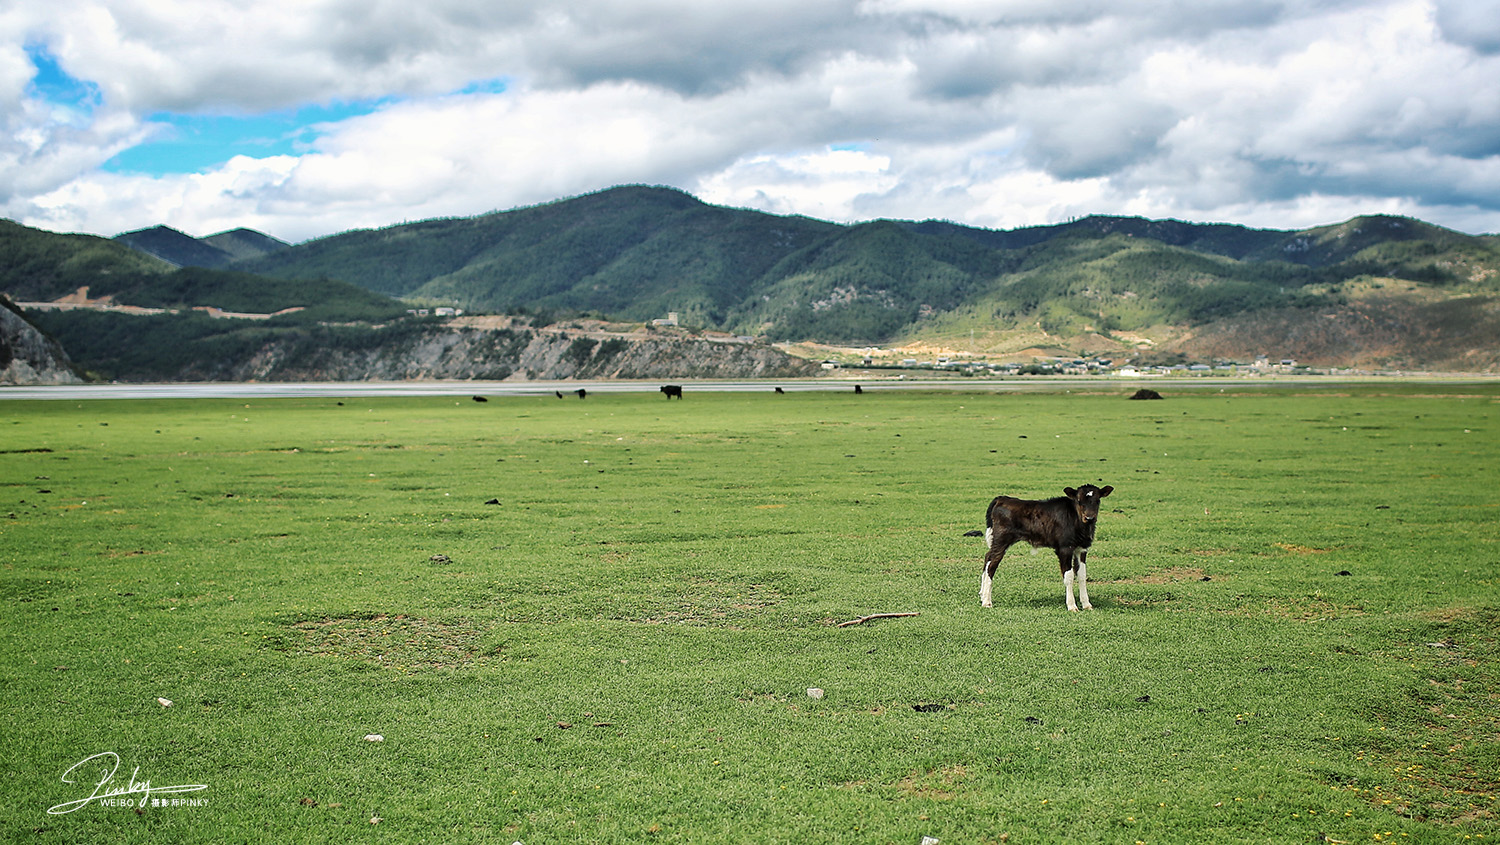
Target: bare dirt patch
[(711, 602), (119, 553), (1300, 550), (396, 641), (1299, 608), (941, 784), (1171, 575)]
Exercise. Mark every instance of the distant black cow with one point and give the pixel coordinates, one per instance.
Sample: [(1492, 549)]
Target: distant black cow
[(1064, 524), (480, 399), (858, 389), (672, 390), (779, 390), (1145, 393), (559, 393), (582, 394)]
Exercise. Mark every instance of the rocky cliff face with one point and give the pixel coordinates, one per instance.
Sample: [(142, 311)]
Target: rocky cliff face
[(475, 352), (26, 355)]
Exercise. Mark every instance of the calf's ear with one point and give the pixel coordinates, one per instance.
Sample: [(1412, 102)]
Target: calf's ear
[(1105, 491), (1070, 492)]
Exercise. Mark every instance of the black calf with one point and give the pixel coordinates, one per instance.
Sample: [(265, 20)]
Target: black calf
[(1064, 524)]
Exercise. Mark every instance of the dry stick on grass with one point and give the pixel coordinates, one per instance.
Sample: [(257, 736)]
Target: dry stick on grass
[(875, 616)]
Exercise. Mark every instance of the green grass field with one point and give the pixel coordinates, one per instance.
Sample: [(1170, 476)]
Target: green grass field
[(1294, 634)]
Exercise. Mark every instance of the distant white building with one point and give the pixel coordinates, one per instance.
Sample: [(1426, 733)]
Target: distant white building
[(669, 320)]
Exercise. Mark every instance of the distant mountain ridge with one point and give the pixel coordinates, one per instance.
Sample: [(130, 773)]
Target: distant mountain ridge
[(124, 315), (1372, 292), (213, 252), (1097, 284)]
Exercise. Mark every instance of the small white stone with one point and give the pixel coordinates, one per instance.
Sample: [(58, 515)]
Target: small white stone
[(165, 702), (374, 738), (814, 692)]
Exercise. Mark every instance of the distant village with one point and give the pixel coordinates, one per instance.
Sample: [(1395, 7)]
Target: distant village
[(1262, 365)]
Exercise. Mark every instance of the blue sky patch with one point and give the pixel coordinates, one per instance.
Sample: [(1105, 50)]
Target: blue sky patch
[(191, 143), (56, 86), (195, 142), (497, 85)]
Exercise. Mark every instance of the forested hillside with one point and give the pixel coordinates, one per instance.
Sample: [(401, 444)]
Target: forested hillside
[(39, 266), (182, 250), (1114, 284), (122, 315), (106, 285), (1374, 291)]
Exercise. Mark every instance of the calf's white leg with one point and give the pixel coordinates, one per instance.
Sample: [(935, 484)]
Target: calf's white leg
[(1083, 585), (1068, 588), (985, 582)]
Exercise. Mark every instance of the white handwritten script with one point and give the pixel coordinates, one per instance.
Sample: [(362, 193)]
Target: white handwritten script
[(135, 793)]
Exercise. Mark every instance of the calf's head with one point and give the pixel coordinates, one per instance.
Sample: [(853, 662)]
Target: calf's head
[(1086, 500)]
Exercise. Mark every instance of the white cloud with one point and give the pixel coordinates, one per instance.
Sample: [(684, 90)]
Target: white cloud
[(1472, 23), (827, 184), (998, 114)]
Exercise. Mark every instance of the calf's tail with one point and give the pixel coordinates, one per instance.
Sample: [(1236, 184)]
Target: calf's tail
[(989, 513)]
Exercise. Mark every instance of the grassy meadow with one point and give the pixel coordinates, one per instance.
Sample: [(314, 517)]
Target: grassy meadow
[(598, 620)]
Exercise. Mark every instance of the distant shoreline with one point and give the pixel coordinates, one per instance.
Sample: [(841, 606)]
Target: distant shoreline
[(840, 383)]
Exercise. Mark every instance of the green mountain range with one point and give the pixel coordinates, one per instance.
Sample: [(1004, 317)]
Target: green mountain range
[(73, 287), (183, 250), (39, 266), (1098, 284), (1374, 291)]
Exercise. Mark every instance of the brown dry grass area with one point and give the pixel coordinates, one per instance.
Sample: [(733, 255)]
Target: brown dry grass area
[(119, 553), (396, 641), (941, 784), (1300, 550), (1171, 575), (711, 602), (1386, 328)]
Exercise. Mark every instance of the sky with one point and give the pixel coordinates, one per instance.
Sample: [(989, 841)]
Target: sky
[(305, 118)]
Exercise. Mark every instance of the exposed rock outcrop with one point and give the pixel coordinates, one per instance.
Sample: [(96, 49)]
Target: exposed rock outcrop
[(26, 355), (517, 354)]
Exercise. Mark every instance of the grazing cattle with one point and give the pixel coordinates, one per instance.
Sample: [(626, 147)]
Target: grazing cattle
[(779, 390), (1064, 524), (582, 394), (480, 399), (672, 390), (858, 389), (559, 393)]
